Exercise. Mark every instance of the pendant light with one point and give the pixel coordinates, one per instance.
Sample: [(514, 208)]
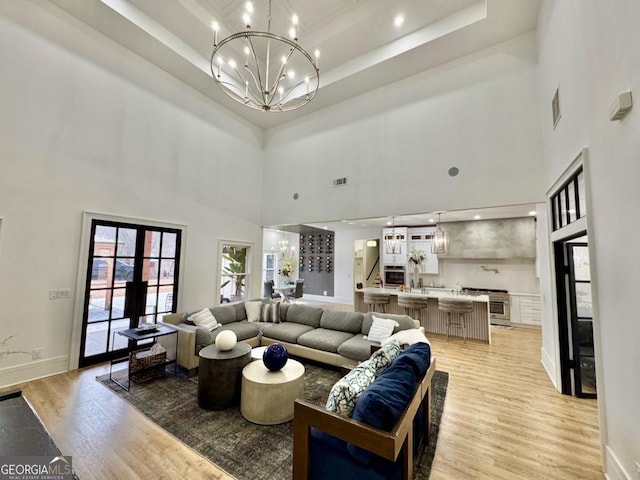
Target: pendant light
[(440, 244), (392, 243)]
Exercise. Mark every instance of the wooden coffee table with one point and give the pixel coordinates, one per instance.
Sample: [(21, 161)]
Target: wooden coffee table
[(267, 397)]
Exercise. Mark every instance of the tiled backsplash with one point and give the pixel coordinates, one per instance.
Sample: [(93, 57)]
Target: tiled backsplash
[(514, 275)]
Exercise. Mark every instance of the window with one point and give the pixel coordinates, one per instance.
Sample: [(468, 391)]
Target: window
[(235, 272), (555, 107), (270, 263), (568, 204)]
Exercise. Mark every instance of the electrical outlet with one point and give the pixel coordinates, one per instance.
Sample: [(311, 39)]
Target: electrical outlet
[(56, 293), (325, 293), (36, 353)]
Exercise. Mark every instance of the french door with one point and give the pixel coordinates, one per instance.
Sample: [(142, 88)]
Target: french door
[(132, 278), (575, 316)]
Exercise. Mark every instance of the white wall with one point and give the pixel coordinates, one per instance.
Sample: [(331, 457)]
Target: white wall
[(514, 275), (88, 126), (396, 144), (591, 49)]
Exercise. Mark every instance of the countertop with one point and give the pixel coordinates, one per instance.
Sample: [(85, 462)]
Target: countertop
[(429, 293)]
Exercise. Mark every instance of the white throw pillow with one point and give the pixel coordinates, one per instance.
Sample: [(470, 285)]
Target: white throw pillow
[(254, 310), (407, 337), (381, 328), (205, 319)]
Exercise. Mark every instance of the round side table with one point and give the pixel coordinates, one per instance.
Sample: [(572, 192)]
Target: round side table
[(219, 375), (268, 397)]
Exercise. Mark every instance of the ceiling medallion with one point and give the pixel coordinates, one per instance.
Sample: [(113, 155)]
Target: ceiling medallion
[(263, 70)]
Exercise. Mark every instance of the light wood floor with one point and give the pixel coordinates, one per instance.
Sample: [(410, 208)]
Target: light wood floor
[(502, 420)]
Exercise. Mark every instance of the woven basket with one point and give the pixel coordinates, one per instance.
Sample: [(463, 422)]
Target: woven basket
[(144, 369)]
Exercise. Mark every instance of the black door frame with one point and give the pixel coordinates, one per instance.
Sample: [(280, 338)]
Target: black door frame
[(136, 290), (567, 321)]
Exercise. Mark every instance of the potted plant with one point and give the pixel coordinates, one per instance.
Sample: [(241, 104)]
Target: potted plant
[(236, 258)]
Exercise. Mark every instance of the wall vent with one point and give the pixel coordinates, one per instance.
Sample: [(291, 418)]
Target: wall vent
[(340, 182)]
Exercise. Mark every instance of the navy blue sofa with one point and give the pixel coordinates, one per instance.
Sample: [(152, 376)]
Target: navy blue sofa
[(389, 424)]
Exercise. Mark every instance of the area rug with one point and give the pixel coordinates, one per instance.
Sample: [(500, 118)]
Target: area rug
[(243, 449)]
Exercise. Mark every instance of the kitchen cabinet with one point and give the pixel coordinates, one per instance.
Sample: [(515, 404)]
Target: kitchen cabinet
[(526, 308), (399, 255), (421, 239)]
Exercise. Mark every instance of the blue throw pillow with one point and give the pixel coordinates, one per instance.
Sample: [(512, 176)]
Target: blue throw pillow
[(382, 404), (418, 357)]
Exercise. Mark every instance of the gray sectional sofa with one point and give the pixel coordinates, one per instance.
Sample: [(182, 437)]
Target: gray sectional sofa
[(327, 336)]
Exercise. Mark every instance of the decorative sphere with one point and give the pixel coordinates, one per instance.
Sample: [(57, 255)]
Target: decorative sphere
[(226, 340), (275, 357)]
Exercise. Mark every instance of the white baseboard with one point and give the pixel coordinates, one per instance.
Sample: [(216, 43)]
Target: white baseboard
[(615, 470), (549, 366), (33, 370)]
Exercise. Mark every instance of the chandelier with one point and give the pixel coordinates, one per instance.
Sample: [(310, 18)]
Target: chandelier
[(263, 70), (440, 243), (283, 246), (392, 242)]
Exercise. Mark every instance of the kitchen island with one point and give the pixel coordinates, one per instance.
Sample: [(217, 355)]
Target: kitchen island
[(432, 319)]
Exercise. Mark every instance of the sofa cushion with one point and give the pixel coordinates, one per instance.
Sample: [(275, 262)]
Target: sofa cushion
[(243, 330), (344, 393), (304, 314), (224, 315), (254, 310), (382, 404), (270, 312), (286, 332), (381, 328), (418, 357), (356, 348), (241, 313), (407, 337), (204, 319), (324, 339), (382, 358), (404, 321), (203, 339), (284, 307), (343, 321)]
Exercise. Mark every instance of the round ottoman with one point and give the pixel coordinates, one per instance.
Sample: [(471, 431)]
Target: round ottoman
[(219, 375), (268, 397)]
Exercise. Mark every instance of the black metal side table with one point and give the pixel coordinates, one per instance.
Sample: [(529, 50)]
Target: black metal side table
[(135, 335)]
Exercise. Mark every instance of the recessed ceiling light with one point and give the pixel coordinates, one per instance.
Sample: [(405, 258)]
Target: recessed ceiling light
[(398, 21), (431, 220), (344, 221), (476, 217), (326, 228), (532, 213), (350, 223)]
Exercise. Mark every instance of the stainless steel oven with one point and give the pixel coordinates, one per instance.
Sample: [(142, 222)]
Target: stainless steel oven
[(499, 304), (394, 275)]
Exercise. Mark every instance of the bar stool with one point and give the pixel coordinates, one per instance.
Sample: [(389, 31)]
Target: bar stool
[(375, 299), (460, 308), (412, 304)]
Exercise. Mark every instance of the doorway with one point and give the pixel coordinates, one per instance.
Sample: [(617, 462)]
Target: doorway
[(132, 278), (575, 317)]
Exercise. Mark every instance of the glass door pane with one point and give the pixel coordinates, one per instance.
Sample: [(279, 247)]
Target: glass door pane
[(126, 260)]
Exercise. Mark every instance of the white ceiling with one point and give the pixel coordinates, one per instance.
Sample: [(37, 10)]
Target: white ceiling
[(360, 47)]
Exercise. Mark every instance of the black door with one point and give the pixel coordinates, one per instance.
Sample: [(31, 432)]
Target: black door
[(575, 319), (132, 278)]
